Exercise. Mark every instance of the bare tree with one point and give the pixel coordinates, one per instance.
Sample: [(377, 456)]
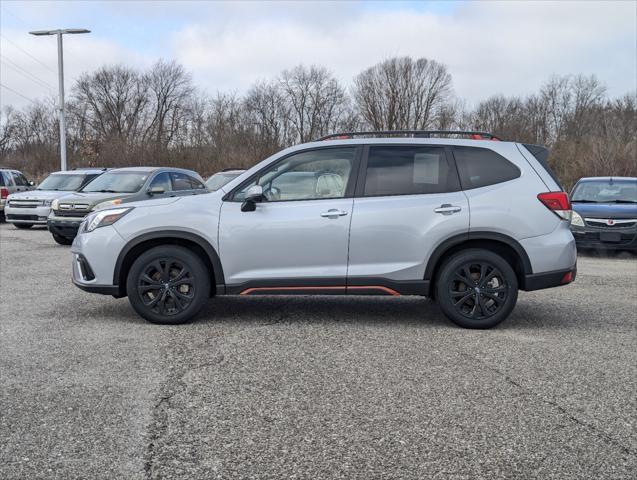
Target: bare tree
[(402, 93)]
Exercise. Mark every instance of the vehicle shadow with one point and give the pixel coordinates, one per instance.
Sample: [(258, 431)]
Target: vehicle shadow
[(323, 309), (601, 253)]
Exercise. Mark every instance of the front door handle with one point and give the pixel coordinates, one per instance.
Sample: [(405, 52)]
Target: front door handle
[(333, 213), (447, 209)]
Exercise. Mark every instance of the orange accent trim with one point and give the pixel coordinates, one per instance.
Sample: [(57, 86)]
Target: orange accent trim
[(374, 287), (390, 291)]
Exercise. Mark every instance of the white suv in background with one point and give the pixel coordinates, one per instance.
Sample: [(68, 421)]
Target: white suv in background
[(29, 208), (466, 221)]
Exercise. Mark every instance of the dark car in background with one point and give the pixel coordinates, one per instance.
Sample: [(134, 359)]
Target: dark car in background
[(605, 213), (219, 179), (121, 185)]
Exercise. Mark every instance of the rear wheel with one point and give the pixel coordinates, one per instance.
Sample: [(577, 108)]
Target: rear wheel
[(23, 226), (476, 288), (168, 285), (62, 240)]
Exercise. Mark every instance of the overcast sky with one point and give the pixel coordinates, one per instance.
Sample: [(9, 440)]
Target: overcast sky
[(489, 47)]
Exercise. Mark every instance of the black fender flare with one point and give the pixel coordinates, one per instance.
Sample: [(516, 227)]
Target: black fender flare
[(442, 248), (212, 254)]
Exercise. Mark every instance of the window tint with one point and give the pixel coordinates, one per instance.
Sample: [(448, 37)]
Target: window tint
[(163, 181), (407, 171), (309, 175), (181, 181), (479, 167), (20, 179)]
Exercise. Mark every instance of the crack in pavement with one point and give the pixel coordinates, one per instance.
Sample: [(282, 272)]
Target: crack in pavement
[(173, 385), (591, 428)]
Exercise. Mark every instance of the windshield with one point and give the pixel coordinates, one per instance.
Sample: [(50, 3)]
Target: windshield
[(62, 182), (606, 191), (218, 180), (117, 182)]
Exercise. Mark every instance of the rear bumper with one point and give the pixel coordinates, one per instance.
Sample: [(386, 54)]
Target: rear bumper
[(556, 278)]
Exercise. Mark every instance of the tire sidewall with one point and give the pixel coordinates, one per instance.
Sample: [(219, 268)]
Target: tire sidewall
[(198, 270), (475, 255)]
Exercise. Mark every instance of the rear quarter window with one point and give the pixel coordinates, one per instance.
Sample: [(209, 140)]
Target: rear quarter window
[(479, 167)]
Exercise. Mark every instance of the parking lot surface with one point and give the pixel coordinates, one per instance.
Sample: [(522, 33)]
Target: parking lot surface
[(313, 387)]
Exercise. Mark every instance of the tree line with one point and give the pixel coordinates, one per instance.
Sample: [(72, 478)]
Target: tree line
[(120, 116)]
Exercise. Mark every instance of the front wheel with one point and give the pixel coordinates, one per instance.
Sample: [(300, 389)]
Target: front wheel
[(476, 288), (168, 285)]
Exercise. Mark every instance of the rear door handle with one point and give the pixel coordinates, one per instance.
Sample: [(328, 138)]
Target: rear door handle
[(333, 213), (447, 209)]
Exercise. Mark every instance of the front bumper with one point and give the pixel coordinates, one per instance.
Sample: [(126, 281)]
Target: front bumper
[(94, 256), (31, 215), (64, 226), (607, 239)]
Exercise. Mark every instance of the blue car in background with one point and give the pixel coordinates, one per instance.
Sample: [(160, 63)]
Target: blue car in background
[(605, 213)]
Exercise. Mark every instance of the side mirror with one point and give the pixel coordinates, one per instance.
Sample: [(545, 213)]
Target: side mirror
[(31, 183), (253, 195), (155, 191)]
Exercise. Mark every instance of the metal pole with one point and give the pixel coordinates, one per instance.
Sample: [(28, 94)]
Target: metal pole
[(61, 104)]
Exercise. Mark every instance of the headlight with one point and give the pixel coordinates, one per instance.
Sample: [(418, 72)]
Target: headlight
[(105, 217), (46, 203), (110, 203), (576, 219), (55, 204)]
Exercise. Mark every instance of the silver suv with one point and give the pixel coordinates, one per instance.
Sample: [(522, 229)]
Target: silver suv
[(28, 208), (11, 181), (466, 221)]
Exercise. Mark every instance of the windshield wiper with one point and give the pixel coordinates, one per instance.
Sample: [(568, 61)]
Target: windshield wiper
[(102, 191), (622, 201), (584, 201)]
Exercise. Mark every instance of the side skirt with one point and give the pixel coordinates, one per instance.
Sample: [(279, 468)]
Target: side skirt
[(329, 286)]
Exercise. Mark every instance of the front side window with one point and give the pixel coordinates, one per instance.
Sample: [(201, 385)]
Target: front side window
[(181, 181), (479, 167), (311, 175), (117, 182), (605, 191), (62, 182), (162, 181), (408, 170)]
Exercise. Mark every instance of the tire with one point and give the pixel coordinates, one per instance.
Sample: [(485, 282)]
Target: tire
[(168, 285), (484, 299), (23, 226), (62, 240)]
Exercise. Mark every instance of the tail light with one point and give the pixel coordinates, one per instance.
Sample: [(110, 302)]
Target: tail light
[(4, 193), (558, 203)]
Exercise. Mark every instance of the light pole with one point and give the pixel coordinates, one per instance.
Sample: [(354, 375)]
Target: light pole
[(59, 34)]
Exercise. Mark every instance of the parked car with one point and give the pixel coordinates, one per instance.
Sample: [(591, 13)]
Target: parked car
[(466, 222), (605, 213), (219, 179), (11, 181), (28, 208), (116, 187)]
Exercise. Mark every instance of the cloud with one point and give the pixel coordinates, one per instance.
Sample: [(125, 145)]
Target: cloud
[(489, 47)]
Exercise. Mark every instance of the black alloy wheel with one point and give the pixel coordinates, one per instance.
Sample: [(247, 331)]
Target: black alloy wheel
[(168, 284), (476, 288)]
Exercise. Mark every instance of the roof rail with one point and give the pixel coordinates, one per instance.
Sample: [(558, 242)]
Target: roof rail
[(231, 168), (410, 133)]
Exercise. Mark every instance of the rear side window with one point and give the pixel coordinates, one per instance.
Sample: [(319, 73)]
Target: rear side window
[(393, 170), (20, 179), (2, 182), (181, 181), (479, 167)]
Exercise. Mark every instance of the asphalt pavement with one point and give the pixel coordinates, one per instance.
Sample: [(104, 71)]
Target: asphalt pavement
[(313, 387)]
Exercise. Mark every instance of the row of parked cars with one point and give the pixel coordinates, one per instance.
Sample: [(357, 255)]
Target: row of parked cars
[(63, 199), (460, 217)]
